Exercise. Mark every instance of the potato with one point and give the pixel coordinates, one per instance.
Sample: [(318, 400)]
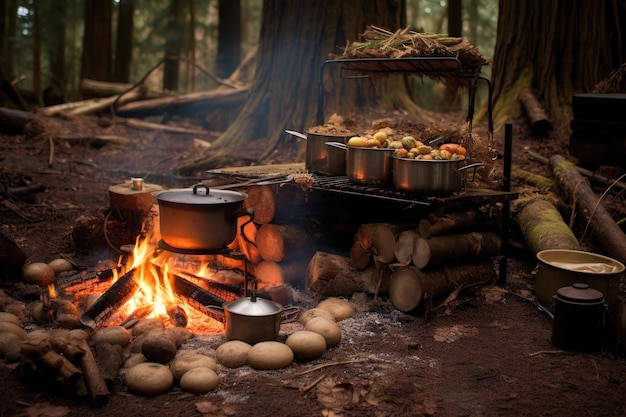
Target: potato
[(148, 378), (199, 380), (114, 335), (157, 347), (7, 327), (340, 308), (8, 317), (329, 329), (60, 265), (38, 273), (183, 363), (314, 312), (233, 354), (270, 355), (306, 344)]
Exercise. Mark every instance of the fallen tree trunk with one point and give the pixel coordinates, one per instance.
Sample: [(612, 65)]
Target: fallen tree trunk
[(576, 188), (408, 285), (535, 111), (331, 275), (543, 227), (538, 181), (454, 248)]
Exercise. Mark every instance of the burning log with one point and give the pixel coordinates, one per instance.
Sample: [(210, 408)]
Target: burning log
[(198, 298), (109, 302), (79, 281), (454, 248), (335, 275), (409, 285), (437, 225)]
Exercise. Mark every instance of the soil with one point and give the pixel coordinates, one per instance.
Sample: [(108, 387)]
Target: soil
[(489, 353)]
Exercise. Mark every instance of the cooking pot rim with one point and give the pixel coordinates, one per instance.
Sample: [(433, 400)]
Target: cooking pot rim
[(253, 307), (190, 196)]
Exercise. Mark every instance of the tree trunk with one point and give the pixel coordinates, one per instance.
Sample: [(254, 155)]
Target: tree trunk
[(97, 40), (286, 79), (229, 37), (529, 33), (599, 221), (124, 45), (173, 45)]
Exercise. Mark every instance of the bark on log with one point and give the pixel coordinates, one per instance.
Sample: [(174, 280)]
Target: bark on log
[(331, 275), (455, 248), (110, 359), (95, 382), (408, 285), (543, 227), (14, 120), (538, 181), (261, 198), (535, 111), (437, 225), (575, 186), (277, 242)]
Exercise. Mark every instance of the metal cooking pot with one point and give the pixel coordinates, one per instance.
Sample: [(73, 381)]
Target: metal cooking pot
[(370, 166), (254, 319), (436, 177), (319, 157), (201, 218)]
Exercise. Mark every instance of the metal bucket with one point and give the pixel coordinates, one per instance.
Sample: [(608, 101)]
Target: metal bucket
[(562, 267)]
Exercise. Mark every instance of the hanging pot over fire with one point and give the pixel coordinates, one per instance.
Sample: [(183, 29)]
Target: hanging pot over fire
[(201, 219)]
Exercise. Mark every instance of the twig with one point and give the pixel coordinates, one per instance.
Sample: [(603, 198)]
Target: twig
[(326, 365), (51, 158), (551, 352), (313, 384)]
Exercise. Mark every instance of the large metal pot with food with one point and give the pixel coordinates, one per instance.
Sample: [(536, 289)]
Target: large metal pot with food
[(370, 166), (321, 158), (200, 218), (430, 176)]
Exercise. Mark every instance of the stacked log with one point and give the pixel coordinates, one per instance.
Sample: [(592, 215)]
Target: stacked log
[(411, 262)]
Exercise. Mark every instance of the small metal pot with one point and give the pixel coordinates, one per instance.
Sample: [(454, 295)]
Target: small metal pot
[(435, 177), (319, 157), (200, 218), (370, 166), (252, 319)]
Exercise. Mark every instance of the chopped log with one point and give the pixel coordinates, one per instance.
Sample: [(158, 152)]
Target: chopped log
[(272, 274), (331, 275), (93, 378), (608, 234), (379, 239), (543, 227), (455, 248), (538, 181), (276, 242), (110, 359), (408, 285), (437, 225), (535, 111), (261, 199), (405, 246), (246, 240)]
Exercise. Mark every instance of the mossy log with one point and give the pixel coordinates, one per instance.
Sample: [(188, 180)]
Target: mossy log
[(538, 181), (606, 231), (543, 227)]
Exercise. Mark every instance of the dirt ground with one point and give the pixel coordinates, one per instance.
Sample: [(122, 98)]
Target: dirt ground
[(489, 355)]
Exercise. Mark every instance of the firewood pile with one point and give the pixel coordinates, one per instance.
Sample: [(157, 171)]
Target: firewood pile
[(377, 42)]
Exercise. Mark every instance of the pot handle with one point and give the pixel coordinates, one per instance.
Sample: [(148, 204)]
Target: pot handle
[(215, 312), (245, 212), (474, 165), (289, 314), (195, 189)]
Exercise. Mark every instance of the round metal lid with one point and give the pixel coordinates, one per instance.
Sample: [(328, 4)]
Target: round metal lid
[(201, 195), (580, 293), (253, 306)]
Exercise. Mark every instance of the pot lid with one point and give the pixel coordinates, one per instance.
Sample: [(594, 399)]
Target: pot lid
[(253, 306), (580, 293), (201, 195)]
